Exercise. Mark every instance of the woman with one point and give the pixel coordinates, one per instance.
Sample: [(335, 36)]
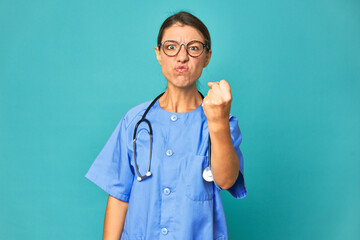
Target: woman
[(173, 197)]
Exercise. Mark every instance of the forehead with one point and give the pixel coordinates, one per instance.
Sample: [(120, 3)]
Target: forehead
[(182, 33)]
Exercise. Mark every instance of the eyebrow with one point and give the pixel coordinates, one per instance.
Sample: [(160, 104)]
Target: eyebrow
[(179, 41)]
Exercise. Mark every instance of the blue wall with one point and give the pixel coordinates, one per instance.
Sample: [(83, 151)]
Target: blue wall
[(69, 70)]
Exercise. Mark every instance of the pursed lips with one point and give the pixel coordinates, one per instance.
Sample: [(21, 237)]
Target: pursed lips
[(182, 69)]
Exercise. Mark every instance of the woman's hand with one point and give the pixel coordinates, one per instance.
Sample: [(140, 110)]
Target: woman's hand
[(217, 103)]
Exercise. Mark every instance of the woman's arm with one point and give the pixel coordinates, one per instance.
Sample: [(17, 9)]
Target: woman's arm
[(224, 159), (114, 218)]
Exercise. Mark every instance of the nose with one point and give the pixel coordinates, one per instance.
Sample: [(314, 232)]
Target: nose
[(182, 54)]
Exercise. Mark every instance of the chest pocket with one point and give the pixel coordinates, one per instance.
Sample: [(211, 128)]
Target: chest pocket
[(197, 189)]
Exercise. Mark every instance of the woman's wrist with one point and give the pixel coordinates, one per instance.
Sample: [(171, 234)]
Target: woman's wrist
[(219, 125)]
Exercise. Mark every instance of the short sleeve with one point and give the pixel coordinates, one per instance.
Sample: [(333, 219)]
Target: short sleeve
[(111, 169), (238, 190)]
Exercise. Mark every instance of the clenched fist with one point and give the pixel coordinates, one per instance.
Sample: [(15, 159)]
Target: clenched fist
[(217, 103)]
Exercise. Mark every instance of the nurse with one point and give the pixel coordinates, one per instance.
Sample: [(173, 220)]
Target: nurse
[(174, 202)]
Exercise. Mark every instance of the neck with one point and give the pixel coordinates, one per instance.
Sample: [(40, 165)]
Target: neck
[(180, 99)]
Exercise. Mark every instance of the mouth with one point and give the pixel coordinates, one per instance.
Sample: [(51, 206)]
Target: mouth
[(182, 69)]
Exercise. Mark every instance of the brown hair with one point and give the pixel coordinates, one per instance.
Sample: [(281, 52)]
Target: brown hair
[(185, 18)]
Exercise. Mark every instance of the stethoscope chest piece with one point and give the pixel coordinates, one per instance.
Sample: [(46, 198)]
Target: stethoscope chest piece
[(207, 175)]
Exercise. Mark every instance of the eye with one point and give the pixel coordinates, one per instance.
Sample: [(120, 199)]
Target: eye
[(194, 48), (170, 47)]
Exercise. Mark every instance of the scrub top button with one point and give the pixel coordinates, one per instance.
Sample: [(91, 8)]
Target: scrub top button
[(164, 231), (167, 191), (173, 118), (169, 152)]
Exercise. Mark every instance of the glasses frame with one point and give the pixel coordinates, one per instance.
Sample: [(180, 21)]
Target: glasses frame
[(185, 44)]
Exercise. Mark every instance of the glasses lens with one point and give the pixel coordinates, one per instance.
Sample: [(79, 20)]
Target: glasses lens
[(195, 48), (171, 48)]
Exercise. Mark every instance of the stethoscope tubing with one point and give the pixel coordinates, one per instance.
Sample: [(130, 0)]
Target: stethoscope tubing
[(143, 119)]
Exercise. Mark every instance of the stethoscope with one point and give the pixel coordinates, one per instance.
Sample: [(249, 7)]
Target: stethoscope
[(207, 174)]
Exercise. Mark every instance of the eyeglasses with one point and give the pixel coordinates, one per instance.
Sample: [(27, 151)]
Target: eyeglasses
[(193, 48)]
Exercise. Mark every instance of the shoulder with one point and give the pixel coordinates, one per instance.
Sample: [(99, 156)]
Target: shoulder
[(234, 128), (234, 125), (135, 113), (233, 119)]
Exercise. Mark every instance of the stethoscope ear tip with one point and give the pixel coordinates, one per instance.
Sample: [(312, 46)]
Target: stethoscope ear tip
[(140, 178)]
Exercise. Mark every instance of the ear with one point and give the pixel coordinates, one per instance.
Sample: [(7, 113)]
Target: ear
[(207, 58), (158, 55)]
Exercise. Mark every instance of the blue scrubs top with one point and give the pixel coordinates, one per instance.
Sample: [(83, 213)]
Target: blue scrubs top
[(175, 202)]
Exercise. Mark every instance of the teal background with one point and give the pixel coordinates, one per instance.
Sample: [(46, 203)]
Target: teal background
[(69, 70)]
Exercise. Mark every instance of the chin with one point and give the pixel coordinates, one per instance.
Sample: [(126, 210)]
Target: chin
[(183, 83)]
